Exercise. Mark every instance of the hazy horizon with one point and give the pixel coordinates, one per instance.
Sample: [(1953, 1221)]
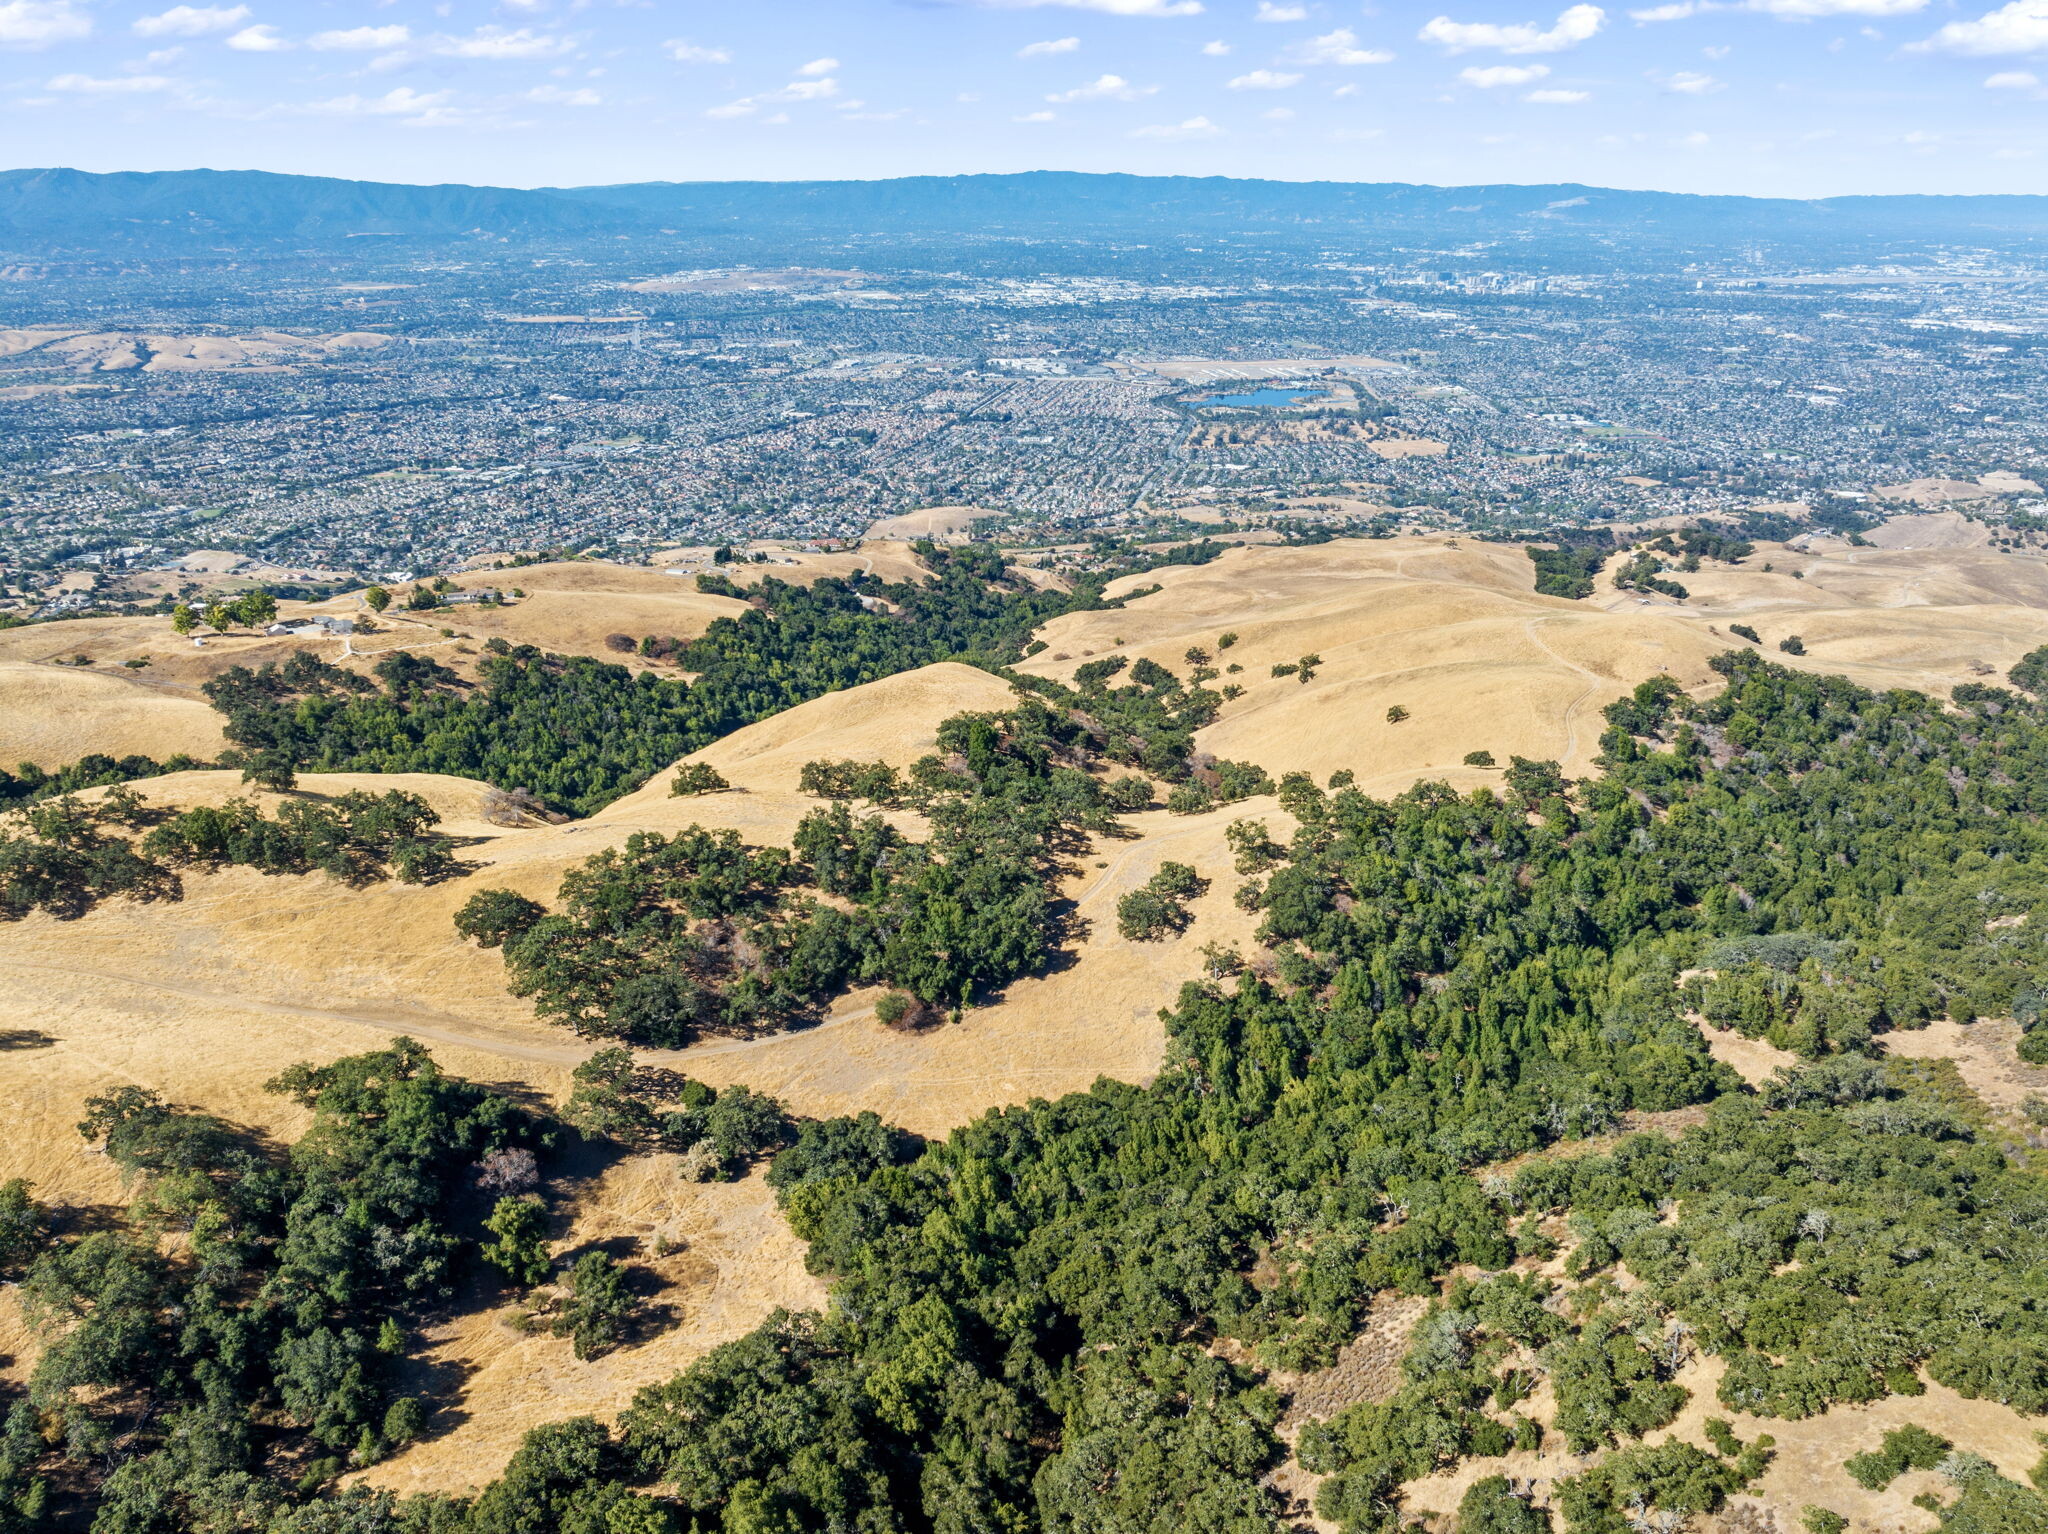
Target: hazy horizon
[(1390, 180)]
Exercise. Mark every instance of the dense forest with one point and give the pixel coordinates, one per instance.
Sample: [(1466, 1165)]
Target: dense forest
[(1060, 1317), (580, 732), (1568, 570)]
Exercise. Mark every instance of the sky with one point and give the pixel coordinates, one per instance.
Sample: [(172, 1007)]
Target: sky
[(1767, 97)]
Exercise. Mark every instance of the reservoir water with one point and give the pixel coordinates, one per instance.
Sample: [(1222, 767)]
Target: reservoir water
[(1268, 398)]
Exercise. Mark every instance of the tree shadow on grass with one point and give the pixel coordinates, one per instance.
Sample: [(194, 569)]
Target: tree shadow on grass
[(12, 1039)]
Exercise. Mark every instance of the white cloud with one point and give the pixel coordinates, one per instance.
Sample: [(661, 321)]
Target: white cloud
[(1835, 7), (1338, 47), (39, 23), (1268, 11), (1217, 50), (497, 43), (1048, 48), (261, 38), (2011, 80), (796, 90), (191, 21), (683, 51), (2021, 27), (1689, 82), (361, 39), (817, 67), (1674, 12), (1193, 127), (119, 85), (1104, 88), (1694, 139), (1554, 98), (1264, 80), (1488, 76), (1153, 8), (400, 101), (1036, 117), (562, 96), (1278, 115), (1573, 26)]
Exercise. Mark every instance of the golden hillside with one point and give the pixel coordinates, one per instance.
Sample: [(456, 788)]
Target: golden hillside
[(207, 998)]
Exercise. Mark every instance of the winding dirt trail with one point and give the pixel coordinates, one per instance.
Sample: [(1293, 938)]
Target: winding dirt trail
[(1594, 682)]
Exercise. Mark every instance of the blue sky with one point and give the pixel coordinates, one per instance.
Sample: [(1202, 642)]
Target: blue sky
[(1776, 97)]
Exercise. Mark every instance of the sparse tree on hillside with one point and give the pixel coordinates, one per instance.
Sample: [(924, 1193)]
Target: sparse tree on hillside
[(492, 918), (255, 609), (376, 598), (2030, 673), (272, 769), (183, 620), (218, 617), (598, 1307), (24, 1226), (521, 1250), (697, 778)]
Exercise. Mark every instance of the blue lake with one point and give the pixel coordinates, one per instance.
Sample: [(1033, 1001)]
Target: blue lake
[(1269, 398)]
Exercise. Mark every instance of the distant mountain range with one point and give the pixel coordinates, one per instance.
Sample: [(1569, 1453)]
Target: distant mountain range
[(81, 209)]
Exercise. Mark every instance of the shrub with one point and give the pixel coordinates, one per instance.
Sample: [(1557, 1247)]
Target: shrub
[(1910, 1447), (1792, 644), (404, 1420), (598, 1307), (1128, 793), (521, 1250), (1490, 1508), (1156, 910), (1744, 631), (896, 1009), (1480, 759)]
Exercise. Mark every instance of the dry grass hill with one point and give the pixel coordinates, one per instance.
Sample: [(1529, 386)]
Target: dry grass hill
[(206, 998)]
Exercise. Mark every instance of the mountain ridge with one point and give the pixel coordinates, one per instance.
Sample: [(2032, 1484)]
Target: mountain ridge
[(61, 205)]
